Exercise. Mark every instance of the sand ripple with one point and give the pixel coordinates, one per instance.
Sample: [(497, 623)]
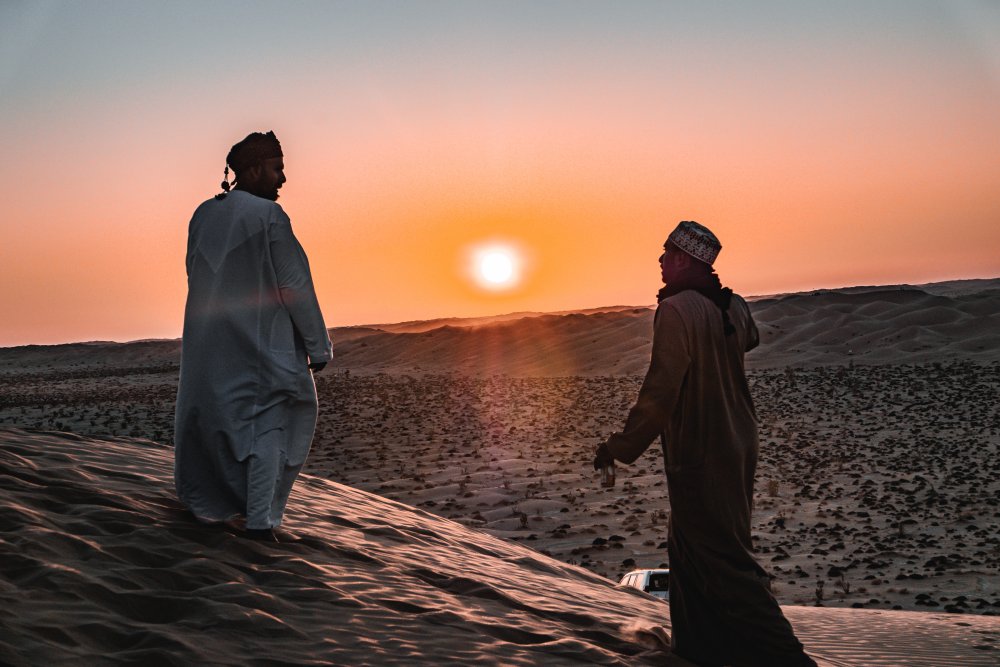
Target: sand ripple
[(100, 565)]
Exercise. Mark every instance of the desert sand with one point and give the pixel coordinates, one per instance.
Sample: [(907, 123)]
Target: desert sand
[(877, 492), (101, 566)]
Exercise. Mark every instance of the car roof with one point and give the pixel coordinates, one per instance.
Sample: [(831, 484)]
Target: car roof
[(652, 570)]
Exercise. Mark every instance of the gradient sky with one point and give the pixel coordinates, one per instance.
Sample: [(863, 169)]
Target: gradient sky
[(827, 144)]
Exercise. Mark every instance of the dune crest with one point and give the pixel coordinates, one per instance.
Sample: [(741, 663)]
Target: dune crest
[(99, 560)]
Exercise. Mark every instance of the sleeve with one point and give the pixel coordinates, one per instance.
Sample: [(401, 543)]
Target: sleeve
[(296, 290), (191, 243), (660, 390), (753, 336), (188, 254)]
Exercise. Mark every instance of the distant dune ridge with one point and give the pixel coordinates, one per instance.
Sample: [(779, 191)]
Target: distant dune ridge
[(101, 566), (896, 324), (868, 325), (958, 320)]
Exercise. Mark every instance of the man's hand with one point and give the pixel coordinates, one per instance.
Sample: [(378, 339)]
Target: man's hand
[(317, 367), (603, 457)]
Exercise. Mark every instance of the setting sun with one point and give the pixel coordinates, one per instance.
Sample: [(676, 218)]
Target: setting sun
[(496, 267)]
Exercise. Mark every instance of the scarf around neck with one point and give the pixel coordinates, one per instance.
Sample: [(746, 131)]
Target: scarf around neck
[(710, 287)]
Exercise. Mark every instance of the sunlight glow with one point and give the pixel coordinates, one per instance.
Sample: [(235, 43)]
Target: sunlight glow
[(495, 267)]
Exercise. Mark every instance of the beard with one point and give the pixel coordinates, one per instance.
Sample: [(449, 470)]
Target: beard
[(258, 191)]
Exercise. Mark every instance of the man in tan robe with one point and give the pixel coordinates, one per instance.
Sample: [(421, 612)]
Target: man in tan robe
[(253, 335), (695, 397)]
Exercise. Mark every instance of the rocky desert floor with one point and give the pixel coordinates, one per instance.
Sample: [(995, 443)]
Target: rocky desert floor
[(877, 485)]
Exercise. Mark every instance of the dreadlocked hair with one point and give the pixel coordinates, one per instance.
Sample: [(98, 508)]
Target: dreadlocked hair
[(248, 153)]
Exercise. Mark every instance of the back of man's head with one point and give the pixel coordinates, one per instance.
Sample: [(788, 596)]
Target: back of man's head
[(252, 151)]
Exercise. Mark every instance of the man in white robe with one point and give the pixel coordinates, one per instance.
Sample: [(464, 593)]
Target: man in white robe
[(253, 335)]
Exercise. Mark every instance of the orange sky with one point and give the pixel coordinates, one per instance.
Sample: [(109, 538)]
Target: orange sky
[(823, 149)]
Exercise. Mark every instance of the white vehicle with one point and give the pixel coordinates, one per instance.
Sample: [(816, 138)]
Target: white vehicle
[(654, 582)]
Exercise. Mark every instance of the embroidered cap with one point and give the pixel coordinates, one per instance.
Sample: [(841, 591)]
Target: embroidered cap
[(696, 240)]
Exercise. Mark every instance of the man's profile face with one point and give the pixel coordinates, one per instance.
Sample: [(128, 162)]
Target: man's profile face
[(272, 177), (265, 179), (672, 263)]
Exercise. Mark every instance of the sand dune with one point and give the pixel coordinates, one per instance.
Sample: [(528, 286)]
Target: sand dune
[(82, 356), (828, 327), (100, 566), (879, 482), (877, 489), (547, 345), (876, 327), (867, 325), (419, 326)]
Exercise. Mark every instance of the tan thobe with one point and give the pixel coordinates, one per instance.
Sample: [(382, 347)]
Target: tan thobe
[(246, 405), (696, 398)]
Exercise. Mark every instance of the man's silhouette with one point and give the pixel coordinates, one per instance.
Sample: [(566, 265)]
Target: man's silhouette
[(253, 331), (696, 398)]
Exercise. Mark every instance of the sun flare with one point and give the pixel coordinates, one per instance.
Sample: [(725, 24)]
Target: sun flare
[(496, 267)]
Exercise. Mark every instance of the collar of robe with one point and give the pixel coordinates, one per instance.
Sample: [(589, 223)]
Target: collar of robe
[(709, 286)]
